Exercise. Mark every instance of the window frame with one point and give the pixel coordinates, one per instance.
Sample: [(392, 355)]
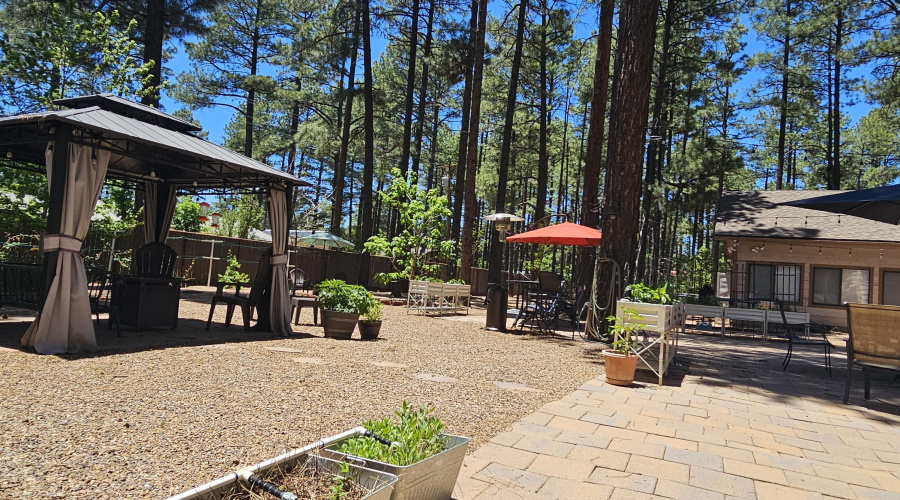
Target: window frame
[(812, 282), (881, 283), (774, 274)]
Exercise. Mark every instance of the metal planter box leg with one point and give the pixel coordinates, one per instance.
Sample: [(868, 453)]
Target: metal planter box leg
[(430, 479)]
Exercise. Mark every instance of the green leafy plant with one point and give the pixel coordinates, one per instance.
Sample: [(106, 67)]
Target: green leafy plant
[(623, 330), (232, 272), (416, 433), (375, 310), (422, 222), (342, 483), (338, 295), (643, 293)]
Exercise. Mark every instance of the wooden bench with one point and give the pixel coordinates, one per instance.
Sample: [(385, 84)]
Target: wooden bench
[(22, 285), (874, 341)]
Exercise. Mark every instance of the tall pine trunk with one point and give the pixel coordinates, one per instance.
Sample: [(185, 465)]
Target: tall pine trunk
[(410, 87), (494, 270), (628, 122), (785, 82), (594, 155), (153, 48), (340, 170), (540, 203), (365, 191), (423, 91), (468, 236), (463, 154)]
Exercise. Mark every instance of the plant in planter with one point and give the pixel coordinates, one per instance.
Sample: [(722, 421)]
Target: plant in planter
[(620, 360), (426, 460), (299, 473), (370, 327), (643, 293), (342, 304)]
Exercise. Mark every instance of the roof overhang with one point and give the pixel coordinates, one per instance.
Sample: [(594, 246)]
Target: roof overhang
[(140, 151)]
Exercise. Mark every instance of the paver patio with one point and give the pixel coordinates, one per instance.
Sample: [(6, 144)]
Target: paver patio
[(728, 424)]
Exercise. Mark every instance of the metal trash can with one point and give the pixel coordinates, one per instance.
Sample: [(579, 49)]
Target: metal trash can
[(496, 302)]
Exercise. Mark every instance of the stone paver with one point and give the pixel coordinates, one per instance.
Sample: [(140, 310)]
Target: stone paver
[(731, 425)]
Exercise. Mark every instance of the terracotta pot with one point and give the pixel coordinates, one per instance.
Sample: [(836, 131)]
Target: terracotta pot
[(339, 325), (619, 368), (369, 330)]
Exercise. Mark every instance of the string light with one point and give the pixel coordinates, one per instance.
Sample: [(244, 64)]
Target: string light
[(881, 252), (850, 253), (820, 250), (763, 246), (791, 249)]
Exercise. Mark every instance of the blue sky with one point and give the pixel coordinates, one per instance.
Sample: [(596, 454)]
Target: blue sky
[(214, 119)]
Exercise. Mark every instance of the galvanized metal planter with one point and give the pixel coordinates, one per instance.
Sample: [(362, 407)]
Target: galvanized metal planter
[(380, 483), (430, 479)]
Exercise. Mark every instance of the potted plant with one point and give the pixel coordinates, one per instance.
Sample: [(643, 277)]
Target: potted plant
[(370, 327), (342, 304), (620, 361), (425, 460)]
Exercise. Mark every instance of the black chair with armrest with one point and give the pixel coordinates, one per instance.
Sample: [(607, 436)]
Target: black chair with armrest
[(152, 294), (254, 301)]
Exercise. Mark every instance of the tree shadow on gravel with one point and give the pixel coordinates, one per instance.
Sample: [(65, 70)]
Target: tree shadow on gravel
[(190, 332)]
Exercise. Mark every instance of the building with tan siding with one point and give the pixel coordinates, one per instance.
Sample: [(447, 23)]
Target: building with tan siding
[(813, 261)]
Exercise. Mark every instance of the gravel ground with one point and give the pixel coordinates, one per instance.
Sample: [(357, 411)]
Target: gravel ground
[(156, 413)]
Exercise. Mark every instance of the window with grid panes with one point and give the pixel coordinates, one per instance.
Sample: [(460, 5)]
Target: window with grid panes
[(774, 281)]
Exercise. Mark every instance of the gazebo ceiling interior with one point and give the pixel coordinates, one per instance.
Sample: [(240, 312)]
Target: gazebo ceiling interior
[(148, 145)]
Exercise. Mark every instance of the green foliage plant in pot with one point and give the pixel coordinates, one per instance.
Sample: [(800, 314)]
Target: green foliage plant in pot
[(370, 326), (426, 460), (342, 304), (620, 361)]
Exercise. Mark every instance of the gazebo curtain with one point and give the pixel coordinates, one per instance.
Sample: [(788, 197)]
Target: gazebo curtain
[(64, 325), (158, 198), (280, 311)]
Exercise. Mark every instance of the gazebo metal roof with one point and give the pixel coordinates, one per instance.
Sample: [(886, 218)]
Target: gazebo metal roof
[(146, 145)]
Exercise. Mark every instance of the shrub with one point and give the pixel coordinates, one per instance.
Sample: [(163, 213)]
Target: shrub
[(417, 434)]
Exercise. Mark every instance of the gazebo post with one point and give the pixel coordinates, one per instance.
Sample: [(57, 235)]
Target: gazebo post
[(58, 171)]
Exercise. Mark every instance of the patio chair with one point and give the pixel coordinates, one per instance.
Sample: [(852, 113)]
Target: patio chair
[(104, 290), (152, 294), (537, 311), (549, 282), (570, 309), (799, 334), (874, 342), (296, 280), (248, 303)]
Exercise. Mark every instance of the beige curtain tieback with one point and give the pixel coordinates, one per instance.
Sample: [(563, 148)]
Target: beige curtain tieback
[(279, 259), (61, 243)]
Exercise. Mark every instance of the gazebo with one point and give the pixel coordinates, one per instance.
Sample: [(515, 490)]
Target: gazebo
[(102, 137)]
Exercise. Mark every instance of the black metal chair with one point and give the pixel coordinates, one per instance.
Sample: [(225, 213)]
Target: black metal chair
[(799, 334), (152, 294), (571, 309), (249, 303), (104, 290)]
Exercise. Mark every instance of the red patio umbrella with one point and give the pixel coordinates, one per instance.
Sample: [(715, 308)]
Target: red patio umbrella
[(567, 233)]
